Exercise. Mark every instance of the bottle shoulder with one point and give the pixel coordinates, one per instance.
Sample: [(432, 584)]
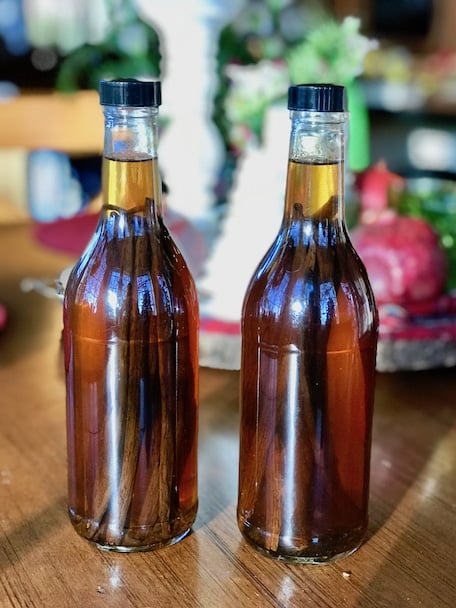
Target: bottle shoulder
[(319, 251), (305, 283), (130, 270)]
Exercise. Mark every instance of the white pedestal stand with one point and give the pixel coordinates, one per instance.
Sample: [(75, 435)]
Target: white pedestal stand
[(191, 148), (253, 219)]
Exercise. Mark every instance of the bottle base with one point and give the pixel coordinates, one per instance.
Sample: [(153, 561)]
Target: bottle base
[(114, 538), (302, 558), (298, 550), (141, 548)]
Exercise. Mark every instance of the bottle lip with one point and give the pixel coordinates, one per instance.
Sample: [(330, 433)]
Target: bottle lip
[(317, 98), (130, 92)]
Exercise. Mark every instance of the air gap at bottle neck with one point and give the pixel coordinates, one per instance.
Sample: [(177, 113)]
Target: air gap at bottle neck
[(319, 122), (130, 108)]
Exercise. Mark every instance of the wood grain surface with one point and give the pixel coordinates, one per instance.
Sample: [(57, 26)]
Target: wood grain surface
[(409, 558)]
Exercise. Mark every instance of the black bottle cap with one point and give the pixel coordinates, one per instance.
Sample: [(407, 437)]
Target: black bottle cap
[(130, 92), (317, 98)]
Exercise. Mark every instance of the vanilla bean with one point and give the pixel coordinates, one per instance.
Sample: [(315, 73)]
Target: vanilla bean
[(97, 488), (150, 522), (161, 482), (117, 416), (327, 272), (136, 372)]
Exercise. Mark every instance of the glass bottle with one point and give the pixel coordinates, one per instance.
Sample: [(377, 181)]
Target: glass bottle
[(309, 338), (131, 349)]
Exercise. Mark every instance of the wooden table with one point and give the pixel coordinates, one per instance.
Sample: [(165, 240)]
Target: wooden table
[(409, 558)]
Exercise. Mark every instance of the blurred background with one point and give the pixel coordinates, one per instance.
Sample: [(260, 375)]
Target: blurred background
[(225, 68), (48, 46)]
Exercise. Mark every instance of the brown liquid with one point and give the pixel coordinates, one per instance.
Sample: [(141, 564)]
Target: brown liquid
[(307, 383), (127, 183), (131, 357)]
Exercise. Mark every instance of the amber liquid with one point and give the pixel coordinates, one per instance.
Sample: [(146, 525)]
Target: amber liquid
[(309, 332), (131, 359)]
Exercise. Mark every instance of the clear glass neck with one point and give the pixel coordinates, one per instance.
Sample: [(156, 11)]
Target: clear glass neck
[(315, 178), (130, 133), (318, 137), (131, 177)]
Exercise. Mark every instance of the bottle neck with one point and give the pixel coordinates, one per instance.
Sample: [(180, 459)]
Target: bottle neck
[(130, 161), (315, 178)]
